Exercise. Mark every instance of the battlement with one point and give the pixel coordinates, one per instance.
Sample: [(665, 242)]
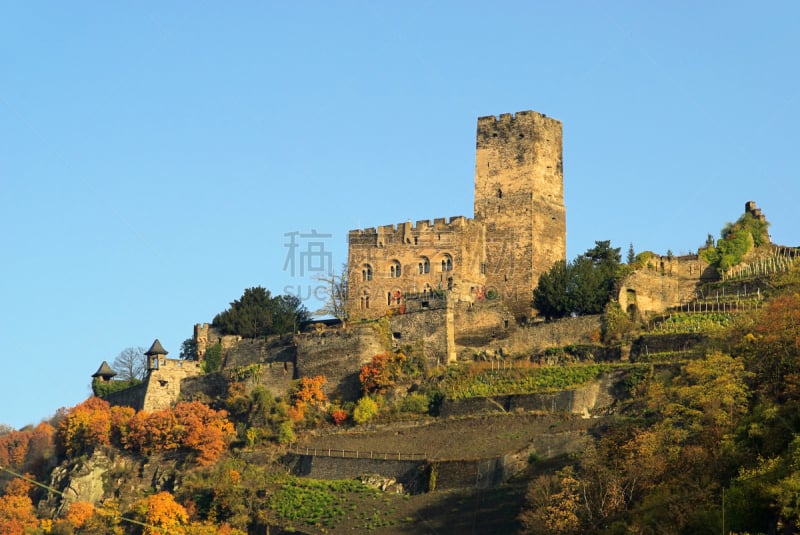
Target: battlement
[(507, 128), (441, 224)]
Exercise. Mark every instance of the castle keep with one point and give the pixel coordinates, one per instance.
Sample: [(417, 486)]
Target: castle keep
[(518, 231)]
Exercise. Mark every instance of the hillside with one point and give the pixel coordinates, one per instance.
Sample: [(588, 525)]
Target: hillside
[(648, 418)]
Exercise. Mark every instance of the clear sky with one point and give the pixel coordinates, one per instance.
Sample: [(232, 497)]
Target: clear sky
[(155, 155)]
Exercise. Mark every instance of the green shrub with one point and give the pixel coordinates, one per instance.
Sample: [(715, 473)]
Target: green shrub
[(366, 410), (212, 359), (416, 403), (103, 388), (286, 433)]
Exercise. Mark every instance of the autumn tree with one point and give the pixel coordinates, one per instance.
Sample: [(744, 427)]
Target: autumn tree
[(190, 426), (86, 425), (383, 371), (16, 509), (772, 349), (206, 432), (163, 514), (365, 411), (79, 514), (307, 393), (376, 376)]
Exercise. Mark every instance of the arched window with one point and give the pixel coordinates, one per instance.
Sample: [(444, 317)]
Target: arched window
[(447, 263), (364, 300), (395, 270), (424, 265), (366, 273)]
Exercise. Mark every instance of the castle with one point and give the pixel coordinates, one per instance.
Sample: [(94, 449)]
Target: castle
[(518, 231), (442, 284)]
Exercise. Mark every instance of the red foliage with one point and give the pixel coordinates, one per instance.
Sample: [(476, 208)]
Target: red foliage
[(377, 376), (339, 416)]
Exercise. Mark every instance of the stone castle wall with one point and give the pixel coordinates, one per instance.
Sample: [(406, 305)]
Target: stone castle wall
[(388, 263), (663, 283), (519, 196), (164, 383), (518, 232), (339, 355)]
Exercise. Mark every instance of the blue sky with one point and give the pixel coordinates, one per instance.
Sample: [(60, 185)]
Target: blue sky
[(153, 156)]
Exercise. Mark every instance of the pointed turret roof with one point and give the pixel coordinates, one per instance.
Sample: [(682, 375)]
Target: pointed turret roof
[(156, 349), (104, 371)]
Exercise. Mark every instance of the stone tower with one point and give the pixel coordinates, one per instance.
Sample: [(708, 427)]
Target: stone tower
[(519, 196)]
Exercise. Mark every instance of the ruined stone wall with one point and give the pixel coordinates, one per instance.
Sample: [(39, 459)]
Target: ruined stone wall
[(664, 282), (426, 331), (387, 263), (519, 195), (206, 336), (339, 355), (130, 397)]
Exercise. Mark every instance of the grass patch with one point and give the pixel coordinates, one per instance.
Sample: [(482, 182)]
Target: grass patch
[(480, 382)]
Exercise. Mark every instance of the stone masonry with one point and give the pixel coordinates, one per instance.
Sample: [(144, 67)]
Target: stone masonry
[(518, 232)]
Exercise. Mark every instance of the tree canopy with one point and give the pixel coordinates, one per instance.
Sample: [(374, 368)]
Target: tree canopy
[(258, 313), (582, 286)]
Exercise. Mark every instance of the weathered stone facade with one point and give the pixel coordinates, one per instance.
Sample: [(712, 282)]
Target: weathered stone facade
[(164, 382), (518, 232), (664, 282), (519, 197)]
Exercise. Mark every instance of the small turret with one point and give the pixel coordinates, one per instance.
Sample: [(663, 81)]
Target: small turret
[(104, 372), (155, 354)]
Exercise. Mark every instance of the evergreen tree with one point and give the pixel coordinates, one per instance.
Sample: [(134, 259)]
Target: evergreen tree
[(257, 313), (583, 286)]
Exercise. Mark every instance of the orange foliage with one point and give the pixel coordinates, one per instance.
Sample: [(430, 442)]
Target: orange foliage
[(310, 391), (377, 376), (16, 508), (165, 515), (19, 486), (297, 412), (120, 420), (190, 425), (13, 448), (79, 513), (207, 431), (22, 450), (87, 424)]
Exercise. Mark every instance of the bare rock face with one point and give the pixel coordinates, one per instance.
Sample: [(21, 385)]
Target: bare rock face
[(78, 482), (382, 483)]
